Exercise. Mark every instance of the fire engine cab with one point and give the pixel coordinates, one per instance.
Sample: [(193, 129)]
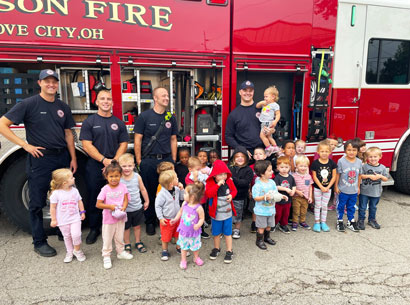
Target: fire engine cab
[(341, 67)]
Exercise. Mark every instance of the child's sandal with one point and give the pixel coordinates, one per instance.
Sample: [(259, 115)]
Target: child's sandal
[(140, 247), (128, 248)]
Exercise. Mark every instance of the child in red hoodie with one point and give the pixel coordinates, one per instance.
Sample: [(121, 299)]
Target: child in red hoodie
[(220, 190)]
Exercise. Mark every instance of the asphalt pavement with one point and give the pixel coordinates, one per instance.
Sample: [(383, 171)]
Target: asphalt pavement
[(370, 267)]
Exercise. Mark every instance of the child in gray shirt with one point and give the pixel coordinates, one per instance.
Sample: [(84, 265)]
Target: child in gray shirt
[(371, 188), (349, 169)]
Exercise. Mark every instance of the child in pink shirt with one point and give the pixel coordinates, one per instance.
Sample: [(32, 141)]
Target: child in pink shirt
[(67, 211), (113, 199)]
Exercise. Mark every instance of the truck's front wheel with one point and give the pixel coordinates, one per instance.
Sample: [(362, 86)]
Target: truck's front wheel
[(402, 174)]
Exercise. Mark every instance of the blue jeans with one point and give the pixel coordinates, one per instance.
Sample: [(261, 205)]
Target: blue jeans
[(348, 201), (373, 201)]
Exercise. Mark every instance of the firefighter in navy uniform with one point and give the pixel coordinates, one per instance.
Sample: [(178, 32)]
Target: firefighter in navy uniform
[(50, 144), (104, 137), (152, 149)]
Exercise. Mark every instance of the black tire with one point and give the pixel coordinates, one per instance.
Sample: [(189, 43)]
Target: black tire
[(402, 174), (14, 196)]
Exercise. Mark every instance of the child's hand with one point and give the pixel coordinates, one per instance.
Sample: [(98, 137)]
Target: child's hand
[(112, 207), (123, 209), (323, 189), (173, 221), (146, 204), (53, 223), (196, 227), (180, 186), (82, 216), (229, 198), (292, 193), (288, 190), (204, 171), (220, 182), (268, 196), (379, 176), (374, 177), (310, 200), (163, 222), (285, 197), (337, 191)]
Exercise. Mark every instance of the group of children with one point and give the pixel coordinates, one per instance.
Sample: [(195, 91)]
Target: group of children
[(202, 190)]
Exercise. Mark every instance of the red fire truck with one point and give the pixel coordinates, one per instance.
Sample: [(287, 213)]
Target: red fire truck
[(342, 68)]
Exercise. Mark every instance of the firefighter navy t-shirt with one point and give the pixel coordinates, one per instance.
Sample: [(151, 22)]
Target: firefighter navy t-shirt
[(288, 182), (106, 134), (44, 121), (148, 123)]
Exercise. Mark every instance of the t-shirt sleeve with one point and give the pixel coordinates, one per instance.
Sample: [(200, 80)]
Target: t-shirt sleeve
[(139, 125), (292, 181), (54, 197), (124, 137), (339, 167), (311, 179), (69, 121), (86, 131), (384, 171), (17, 113), (101, 195), (313, 167), (333, 164), (174, 126), (275, 188), (256, 190), (276, 107), (78, 196)]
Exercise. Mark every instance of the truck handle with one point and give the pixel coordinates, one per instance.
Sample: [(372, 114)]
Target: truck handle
[(359, 87)]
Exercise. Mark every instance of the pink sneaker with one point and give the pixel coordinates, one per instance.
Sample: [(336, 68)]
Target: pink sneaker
[(332, 208), (182, 265), (199, 261), (275, 149)]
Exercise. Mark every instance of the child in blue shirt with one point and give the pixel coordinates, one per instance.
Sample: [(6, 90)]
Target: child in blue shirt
[(265, 194)]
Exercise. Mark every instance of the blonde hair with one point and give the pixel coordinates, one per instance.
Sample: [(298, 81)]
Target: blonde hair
[(375, 150), (165, 166), (193, 161), (273, 91), (166, 178), (302, 160), (127, 157), (196, 190), (59, 176), (300, 141), (324, 143)]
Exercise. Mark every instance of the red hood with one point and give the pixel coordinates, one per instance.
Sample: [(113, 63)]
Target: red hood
[(219, 167)]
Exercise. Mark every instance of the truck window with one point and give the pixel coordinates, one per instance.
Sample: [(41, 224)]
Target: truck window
[(388, 62)]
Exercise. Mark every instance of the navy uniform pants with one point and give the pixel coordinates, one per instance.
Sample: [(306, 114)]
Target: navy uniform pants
[(95, 181), (149, 175), (39, 176)]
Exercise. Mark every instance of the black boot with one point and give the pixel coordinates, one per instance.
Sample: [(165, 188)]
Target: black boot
[(266, 238), (259, 241)]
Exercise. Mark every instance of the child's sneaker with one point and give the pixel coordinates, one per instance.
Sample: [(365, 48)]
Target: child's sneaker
[(107, 262), (324, 227), (373, 223), (268, 151), (253, 227), (124, 255), (332, 207), (316, 227), (352, 225), (273, 229), (79, 255), (164, 255), (68, 258), (198, 261), (340, 226), (360, 224), (205, 235), (182, 265), (275, 149), (228, 257), (294, 226), (188, 254), (284, 229), (236, 234), (214, 253), (304, 225)]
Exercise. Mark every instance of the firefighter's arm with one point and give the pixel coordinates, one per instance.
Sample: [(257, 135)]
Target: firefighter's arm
[(174, 147), (69, 138), (5, 130), (92, 151), (122, 149), (137, 147)]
